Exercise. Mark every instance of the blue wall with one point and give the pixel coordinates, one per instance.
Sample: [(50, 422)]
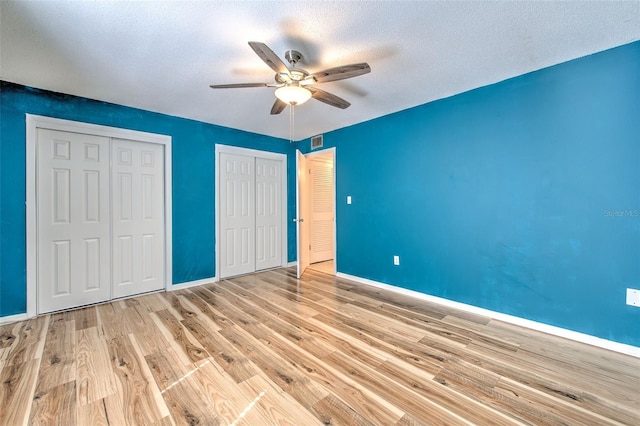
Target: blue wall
[(522, 197), (193, 154)]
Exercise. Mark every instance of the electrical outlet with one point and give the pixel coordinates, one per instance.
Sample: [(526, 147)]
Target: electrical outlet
[(633, 297), (348, 199), (396, 260)]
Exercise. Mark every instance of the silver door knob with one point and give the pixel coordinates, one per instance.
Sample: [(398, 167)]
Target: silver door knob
[(298, 220)]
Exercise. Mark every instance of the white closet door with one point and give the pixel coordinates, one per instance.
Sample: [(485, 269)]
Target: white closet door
[(137, 217), (237, 215), (322, 220), (73, 225), (268, 219)]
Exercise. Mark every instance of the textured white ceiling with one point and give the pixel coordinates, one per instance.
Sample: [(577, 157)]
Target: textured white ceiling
[(162, 55)]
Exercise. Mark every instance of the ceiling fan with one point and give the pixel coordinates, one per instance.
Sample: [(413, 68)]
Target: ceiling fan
[(295, 84)]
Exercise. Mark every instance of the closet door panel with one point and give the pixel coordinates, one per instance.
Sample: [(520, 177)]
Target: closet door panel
[(137, 182), (268, 214), (73, 239), (237, 215)]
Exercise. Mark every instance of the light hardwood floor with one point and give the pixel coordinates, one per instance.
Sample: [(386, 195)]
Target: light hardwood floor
[(326, 267), (268, 349)]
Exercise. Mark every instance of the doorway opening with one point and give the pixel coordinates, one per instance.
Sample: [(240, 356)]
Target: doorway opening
[(320, 189)]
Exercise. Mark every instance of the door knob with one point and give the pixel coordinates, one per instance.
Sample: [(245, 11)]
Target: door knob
[(298, 220)]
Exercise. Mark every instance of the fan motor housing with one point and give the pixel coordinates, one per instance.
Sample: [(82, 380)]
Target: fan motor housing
[(293, 56), (297, 74)]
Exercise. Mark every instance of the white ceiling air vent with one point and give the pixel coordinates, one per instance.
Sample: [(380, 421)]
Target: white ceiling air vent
[(316, 142)]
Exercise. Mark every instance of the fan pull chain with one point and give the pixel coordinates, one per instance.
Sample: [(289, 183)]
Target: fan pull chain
[(291, 122)]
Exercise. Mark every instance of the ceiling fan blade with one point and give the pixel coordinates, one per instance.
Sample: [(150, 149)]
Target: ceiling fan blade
[(238, 86), (328, 98), (340, 73), (278, 107), (269, 57)]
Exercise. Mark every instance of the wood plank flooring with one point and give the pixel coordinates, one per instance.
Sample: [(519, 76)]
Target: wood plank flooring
[(327, 267), (268, 349)]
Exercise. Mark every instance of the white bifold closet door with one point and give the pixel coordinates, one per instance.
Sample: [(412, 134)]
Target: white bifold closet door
[(237, 215), (250, 216), (137, 217), (268, 215), (73, 220), (100, 226)]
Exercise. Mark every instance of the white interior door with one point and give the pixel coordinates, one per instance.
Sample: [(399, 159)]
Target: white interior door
[(302, 212), (321, 209), (73, 236), (137, 217), (237, 215), (268, 215)]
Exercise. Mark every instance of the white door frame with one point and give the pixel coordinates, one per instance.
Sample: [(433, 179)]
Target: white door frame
[(250, 153), (332, 151), (33, 122)]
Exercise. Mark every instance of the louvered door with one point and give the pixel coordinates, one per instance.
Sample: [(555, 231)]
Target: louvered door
[(321, 209)]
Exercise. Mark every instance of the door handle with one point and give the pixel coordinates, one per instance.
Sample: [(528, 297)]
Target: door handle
[(298, 220)]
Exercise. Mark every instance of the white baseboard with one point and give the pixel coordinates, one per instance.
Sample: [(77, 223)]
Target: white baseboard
[(290, 264), (13, 318), (195, 283), (22, 317), (534, 325)]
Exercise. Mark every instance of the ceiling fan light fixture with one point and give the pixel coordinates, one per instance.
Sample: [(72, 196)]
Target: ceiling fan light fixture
[(294, 84), (293, 95)]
